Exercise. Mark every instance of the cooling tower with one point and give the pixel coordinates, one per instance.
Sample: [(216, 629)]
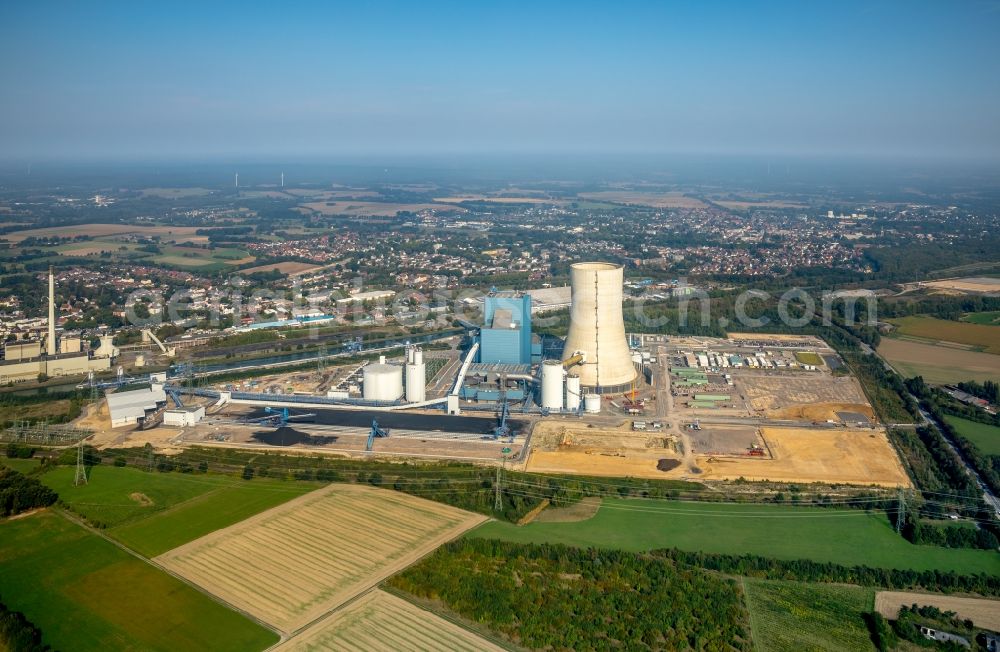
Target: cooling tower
[(597, 328)]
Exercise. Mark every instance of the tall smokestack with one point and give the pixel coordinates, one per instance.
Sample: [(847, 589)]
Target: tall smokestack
[(51, 343)]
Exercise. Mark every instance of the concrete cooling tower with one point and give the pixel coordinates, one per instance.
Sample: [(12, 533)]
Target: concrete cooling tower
[(597, 328)]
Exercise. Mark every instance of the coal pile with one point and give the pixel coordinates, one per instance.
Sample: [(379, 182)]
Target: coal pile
[(286, 436), (667, 464)]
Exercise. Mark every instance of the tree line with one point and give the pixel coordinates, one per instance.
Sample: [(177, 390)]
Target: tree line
[(550, 596), (19, 493), (18, 634), (805, 570), (938, 404)]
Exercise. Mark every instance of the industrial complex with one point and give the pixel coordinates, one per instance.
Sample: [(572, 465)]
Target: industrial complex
[(26, 360), (599, 402)]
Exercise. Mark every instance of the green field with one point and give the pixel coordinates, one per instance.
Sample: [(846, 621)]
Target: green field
[(793, 616), (23, 466), (85, 593), (173, 508), (196, 257), (206, 513), (848, 537), (984, 436), (981, 336), (808, 357), (988, 318)]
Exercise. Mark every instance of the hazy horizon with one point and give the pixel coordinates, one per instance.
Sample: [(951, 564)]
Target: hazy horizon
[(136, 81)]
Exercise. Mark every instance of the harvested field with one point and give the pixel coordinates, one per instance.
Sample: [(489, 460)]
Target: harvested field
[(653, 199), (813, 397), (579, 511), (90, 250), (764, 203), (972, 284), (939, 364), (287, 267), (498, 200), (372, 209), (382, 621), (983, 612), (982, 336), (816, 455), (293, 564), (168, 233), (175, 193)]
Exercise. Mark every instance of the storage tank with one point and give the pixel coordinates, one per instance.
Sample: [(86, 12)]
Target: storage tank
[(552, 385), (597, 328), (592, 403), (573, 392), (416, 377), (382, 382)]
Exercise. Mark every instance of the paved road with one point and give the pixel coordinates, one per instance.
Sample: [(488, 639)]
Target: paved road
[(665, 408)]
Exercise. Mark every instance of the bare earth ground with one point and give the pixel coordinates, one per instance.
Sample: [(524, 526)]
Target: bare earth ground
[(582, 510), (605, 451), (807, 455), (812, 397), (653, 199), (983, 612), (974, 284), (295, 563), (382, 621), (938, 363)]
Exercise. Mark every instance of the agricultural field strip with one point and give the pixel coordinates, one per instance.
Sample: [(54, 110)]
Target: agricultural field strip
[(326, 566), (320, 568), (982, 611), (73, 518), (378, 620)]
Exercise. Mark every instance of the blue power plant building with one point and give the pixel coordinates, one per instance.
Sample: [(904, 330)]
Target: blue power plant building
[(506, 333)]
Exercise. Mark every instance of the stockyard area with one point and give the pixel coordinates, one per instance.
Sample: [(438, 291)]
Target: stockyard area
[(345, 432), (293, 564), (380, 620), (768, 408)]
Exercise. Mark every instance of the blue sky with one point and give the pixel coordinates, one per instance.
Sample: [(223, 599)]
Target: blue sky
[(301, 79)]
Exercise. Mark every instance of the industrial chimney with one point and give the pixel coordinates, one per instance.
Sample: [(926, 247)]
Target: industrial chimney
[(597, 328), (50, 344)]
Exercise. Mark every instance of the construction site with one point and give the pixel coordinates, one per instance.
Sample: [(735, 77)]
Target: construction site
[(600, 402)]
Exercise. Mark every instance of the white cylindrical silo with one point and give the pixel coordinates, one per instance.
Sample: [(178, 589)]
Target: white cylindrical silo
[(592, 403), (552, 385), (573, 395), (597, 327), (382, 382), (416, 377)]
